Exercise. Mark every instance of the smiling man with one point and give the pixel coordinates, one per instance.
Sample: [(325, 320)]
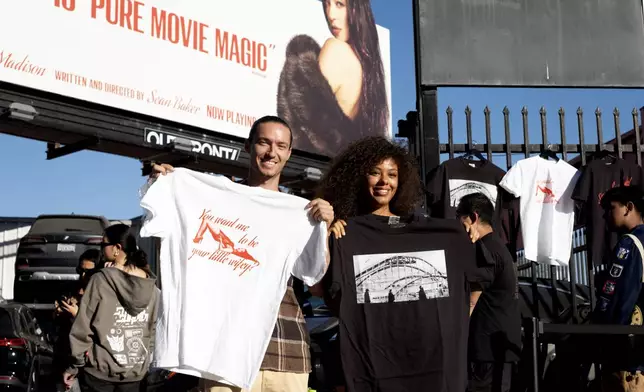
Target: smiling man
[(269, 145), (287, 363)]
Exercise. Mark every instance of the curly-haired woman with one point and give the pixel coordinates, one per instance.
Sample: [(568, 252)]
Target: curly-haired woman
[(399, 281), (372, 176)]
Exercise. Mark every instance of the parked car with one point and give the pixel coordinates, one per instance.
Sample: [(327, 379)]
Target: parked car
[(25, 350), (47, 256), (323, 329)]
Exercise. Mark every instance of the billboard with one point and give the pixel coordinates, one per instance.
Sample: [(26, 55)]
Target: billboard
[(324, 66), (563, 43)]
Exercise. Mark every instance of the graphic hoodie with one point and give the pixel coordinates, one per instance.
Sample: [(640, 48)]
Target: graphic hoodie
[(113, 334)]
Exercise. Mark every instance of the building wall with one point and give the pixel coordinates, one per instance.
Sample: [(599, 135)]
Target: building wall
[(11, 231)]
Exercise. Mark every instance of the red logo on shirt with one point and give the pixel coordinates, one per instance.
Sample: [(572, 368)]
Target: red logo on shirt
[(626, 182), (545, 188), (228, 252)]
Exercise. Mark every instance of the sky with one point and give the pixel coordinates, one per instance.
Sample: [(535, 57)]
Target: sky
[(101, 184)]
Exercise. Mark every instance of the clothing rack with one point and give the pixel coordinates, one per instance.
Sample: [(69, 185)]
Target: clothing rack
[(536, 329)]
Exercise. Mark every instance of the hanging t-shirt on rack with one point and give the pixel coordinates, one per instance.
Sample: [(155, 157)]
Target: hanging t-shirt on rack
[(400, 288), (596, 178), (547, 209), (457, 177), (227, 252)]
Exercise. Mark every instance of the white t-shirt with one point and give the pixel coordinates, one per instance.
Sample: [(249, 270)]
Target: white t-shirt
[(547, 209), (227, 252)]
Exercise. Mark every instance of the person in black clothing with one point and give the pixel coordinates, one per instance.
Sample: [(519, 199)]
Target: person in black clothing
[(621, 300), (421, 293), (372, 176), (417, 343), (495, 325)]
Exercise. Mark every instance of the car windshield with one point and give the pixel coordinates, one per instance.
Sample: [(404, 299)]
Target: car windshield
[(66, 225)]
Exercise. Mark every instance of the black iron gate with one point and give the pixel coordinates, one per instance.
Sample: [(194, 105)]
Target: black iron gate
[(421, 128)]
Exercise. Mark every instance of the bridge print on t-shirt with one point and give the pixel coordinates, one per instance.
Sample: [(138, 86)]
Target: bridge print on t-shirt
[(459, 188), (400, 277)]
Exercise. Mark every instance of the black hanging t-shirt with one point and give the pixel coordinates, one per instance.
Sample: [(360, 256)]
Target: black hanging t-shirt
[(596, 178), (457, 177), (401, 291), (495, 326)]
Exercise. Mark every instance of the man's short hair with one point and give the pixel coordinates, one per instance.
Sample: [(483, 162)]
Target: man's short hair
[(265, 120), (476, 203), (623, 195)]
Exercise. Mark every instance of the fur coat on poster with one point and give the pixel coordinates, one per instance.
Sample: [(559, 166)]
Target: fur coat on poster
[(307, 103)]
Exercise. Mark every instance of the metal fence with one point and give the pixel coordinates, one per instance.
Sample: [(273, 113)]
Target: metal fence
[(579, 270), (527, 148), (562, 273)]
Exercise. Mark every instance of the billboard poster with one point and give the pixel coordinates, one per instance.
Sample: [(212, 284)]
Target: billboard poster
[(572, 43), (324, 66)]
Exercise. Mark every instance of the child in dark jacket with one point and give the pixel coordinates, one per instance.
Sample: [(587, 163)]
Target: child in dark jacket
[(67, 308)]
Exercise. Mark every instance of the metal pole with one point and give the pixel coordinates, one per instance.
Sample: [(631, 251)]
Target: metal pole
[(429, 131)]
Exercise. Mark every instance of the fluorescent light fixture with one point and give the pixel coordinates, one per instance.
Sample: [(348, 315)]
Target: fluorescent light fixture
[(313, 174), (20, 111), (181, 144)]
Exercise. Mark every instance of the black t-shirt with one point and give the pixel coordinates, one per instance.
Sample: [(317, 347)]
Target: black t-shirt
[(596, 178), (402, 294), (457, 177), (495, 326)]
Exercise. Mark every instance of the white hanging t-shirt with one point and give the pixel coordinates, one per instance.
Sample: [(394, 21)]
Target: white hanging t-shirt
[(547, 210), (227, 252)]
